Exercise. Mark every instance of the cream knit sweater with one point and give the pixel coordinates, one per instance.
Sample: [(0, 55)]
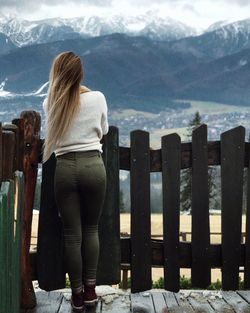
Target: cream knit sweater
[(87, 127)]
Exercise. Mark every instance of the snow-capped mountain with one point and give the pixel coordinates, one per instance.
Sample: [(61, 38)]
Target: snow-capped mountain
[(23, 32), (221, 39)]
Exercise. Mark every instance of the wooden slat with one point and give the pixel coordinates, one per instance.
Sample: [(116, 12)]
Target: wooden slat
[(171, 147), (247, 230), (19, 122), (140, 212), (200, 271), (50, 269), (245, 294), (142, 302), (220, 305), (8, 154), (236, 302), (1, 153), (32, 123), (109, 225), (183, 303), (13, 128), (18, 205), (4, 259), (159, 302), (200, 305), (232, 163)]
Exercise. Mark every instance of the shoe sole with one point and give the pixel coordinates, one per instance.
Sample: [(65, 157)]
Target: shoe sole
[(90, 302)]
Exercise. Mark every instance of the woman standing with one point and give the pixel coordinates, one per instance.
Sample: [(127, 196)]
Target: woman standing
[(76, 120)]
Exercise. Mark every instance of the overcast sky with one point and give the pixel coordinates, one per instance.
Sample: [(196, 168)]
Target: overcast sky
[(197, 13)]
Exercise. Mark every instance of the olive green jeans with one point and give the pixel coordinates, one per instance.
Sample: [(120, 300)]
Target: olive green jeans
[(80, 186)]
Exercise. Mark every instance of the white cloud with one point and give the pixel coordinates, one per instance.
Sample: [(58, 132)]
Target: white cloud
[(198, 13)]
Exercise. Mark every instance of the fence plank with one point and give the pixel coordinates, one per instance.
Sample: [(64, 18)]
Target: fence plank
[(232, 164), (13, 128), (18, 209), (200, 271), (109, 226), (6, 242), (1, 154), (50, 269), (171, 163), (247, 229), (8, 154), (32, 123), (19, 122), (140, 212)]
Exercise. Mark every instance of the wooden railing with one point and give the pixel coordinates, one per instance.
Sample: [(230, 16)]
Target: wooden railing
[(138, 250), (142, 252)]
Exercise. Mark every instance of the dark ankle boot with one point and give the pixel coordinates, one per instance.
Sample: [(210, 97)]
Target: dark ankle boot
[(89, 295), (77, 302)]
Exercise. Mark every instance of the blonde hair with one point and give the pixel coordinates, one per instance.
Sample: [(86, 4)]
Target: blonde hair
[(63, 100)]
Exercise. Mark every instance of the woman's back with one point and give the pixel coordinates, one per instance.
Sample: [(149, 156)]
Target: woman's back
[(87, 127)]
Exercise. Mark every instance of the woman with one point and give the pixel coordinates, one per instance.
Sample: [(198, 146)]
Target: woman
[(76, 120)]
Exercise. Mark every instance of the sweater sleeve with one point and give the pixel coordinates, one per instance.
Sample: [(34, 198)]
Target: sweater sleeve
[(104, 121)]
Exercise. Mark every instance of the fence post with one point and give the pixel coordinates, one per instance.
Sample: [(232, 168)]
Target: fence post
[(32, 123), (141, 253), (232, 165), (171, 166)]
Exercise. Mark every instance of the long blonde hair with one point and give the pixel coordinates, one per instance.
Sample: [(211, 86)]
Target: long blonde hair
[(63, 100)]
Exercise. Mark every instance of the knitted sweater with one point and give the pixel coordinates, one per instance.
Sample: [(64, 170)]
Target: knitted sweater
[(87, 127)]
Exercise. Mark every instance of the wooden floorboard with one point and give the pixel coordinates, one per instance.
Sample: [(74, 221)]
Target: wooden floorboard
[(152, 301)]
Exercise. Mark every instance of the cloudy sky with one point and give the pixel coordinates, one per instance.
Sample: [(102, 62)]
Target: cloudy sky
[(197, 13)]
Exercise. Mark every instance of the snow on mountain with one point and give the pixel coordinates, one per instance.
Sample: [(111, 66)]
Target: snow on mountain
[(23, 32)]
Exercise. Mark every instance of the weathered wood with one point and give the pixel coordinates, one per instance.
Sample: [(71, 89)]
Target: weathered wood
[(236, 301), (50, 264), (32, 122), (8, 154), (220, 305), (142, 302), (245, 294), (109, 225), (159, 302), (171, 162), (185, 251), (200, 271), (200, 305), (232, 164), (19, 122), (18, 205), (1, 154), (183, 303), (247, 229), (140, 212), (13, 128), (7, 284)]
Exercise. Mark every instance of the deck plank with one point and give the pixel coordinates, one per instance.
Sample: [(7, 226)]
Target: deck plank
[(142, 302), (159, 302), (183, 303), (117, 304), (47, 302), (220, 305), (200, 304), (236, 301), (245, 294)]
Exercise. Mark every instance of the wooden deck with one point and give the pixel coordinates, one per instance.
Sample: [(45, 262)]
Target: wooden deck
[(153, 301)]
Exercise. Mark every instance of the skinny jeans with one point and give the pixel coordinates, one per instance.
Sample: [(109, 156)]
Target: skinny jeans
[(80, 187)]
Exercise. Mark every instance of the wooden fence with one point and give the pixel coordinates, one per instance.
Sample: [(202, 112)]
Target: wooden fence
[(139, 250), (11, 207)]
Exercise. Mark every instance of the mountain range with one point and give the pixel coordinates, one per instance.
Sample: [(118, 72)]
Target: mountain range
[(137, 71)]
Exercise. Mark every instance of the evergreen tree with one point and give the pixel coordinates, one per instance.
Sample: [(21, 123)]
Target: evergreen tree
[(186, 175)]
